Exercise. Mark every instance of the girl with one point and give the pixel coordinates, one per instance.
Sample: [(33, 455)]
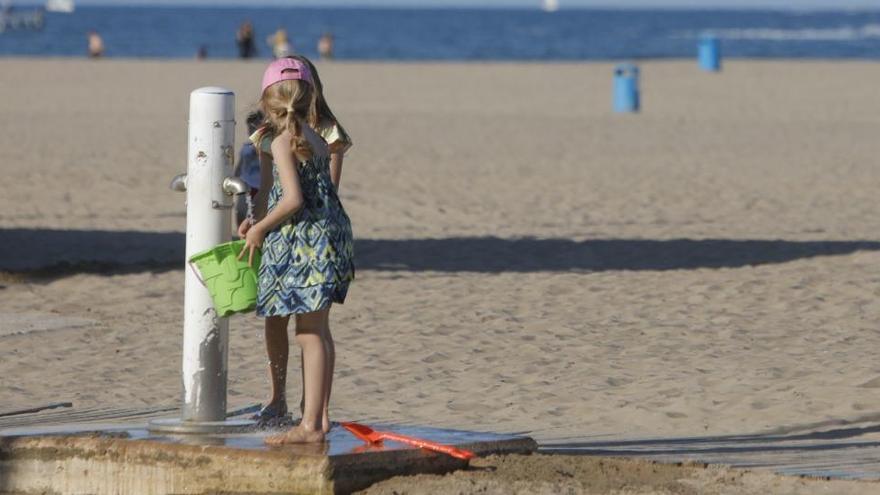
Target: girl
[(321, 119), (248, 168), (328, 126), (306, 239)]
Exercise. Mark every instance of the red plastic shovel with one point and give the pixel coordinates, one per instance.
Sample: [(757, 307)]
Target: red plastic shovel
[(369, 435)]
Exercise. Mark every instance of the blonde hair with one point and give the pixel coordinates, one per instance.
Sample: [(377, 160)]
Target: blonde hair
[(322, 113), (284, 104)]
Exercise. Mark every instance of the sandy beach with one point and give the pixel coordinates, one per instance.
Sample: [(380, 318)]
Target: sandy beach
[(528, 261)]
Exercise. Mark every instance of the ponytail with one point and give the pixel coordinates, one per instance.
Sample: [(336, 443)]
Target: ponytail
[(298, 142), (286, 104)]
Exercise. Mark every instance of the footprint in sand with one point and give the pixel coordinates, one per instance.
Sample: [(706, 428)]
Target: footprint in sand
[(671, 393), (462, 406), (873, 383), (618, 382), (435, 358)]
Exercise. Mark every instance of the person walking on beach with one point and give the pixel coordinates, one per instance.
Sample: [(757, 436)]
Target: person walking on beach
[(321, 119), (325, 46), (96, 44), (306, 237), (280, 44), (244, 38)]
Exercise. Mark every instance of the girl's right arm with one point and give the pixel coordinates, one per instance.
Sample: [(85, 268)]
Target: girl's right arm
[(336, 168), (339, 142), (291, 198), (288, 175)]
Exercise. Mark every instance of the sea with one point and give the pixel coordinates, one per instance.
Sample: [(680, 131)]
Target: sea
[(456, 34)]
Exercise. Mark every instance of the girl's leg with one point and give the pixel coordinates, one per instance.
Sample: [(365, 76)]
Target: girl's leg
[(278, 349), (309, 335), (330, 347), (302, 397)]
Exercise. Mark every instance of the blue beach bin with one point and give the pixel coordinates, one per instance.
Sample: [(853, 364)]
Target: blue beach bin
[(709, 53), (626, 88)]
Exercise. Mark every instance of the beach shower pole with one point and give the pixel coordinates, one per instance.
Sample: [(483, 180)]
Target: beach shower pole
[(209, 187)]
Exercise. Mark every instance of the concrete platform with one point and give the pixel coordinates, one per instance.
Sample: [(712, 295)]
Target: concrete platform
[(127, 459)]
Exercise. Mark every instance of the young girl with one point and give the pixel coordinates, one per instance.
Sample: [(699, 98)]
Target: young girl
[(321, 119), (306, 239), (248, 167), (328, 126)]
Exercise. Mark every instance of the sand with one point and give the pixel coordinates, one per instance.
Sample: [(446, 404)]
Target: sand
[(528, 260), (552, 475)]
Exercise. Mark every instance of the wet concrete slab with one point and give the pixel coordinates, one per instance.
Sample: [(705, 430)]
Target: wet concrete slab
[(129, 459)]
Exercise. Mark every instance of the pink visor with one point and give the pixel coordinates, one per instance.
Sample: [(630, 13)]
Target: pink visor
[(286, 69)]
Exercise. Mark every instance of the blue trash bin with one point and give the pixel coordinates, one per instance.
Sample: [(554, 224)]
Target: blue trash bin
[(709, 53), (626, 88)]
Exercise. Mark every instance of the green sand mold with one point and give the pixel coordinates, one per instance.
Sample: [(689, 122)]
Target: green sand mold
[(231, 282), (114, 461)]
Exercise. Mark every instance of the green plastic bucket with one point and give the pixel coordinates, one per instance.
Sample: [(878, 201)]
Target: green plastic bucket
[(231, 283)]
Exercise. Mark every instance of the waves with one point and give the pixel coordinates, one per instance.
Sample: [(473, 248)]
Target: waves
[(457, 34), (843, 33)]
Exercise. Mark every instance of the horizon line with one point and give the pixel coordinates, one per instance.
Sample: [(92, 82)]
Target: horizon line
[(469, 6)]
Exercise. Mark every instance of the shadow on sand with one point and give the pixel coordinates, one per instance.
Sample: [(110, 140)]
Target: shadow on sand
[(849, 449), (819, 440), (45, 252), (98, 251), (494, 255)]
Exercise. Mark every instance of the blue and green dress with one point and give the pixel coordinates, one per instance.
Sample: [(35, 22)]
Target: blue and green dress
[(308, 261)]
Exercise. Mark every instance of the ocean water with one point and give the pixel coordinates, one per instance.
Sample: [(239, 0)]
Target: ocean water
[(457, 34)]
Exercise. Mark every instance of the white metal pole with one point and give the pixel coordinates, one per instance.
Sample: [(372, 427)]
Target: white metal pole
[(209, 187), (205, 336)]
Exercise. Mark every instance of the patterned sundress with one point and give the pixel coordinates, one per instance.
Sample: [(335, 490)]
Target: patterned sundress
[(308, 261)]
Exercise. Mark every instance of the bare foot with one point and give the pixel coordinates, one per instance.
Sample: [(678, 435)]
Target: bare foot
[(296, 435)]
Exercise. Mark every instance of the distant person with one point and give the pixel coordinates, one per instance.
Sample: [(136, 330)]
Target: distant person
[(202, 52), (325, 46), (244, 38), (248, 168), (96, 44), (280, 44)]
